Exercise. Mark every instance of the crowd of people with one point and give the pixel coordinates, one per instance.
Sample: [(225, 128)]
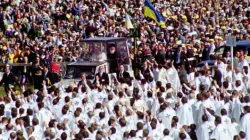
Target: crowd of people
[(166, 98)]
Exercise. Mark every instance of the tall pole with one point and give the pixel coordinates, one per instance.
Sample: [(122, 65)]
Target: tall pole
[(231, 49), (135, 52)]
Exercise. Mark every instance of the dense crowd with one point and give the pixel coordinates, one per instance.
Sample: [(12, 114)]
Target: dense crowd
[(166, 98)]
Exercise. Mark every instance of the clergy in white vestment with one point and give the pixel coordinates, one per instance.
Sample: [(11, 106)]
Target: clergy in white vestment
[(154, 132), (140, 104), (173, 78), (174, 131), (236, 107), (43, 115), (166, 135), (196, 108), (226, 121), (162, 76), (205, 128), (245, 122), (166, 114), (185, 113), (114, 135), (220, 132)]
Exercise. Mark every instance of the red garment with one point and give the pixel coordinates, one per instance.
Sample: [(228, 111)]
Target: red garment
[(55, 68)]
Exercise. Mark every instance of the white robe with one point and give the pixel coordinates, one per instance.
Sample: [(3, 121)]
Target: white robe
[(156, 134), (226, 122), (173, 78), (245, 125), (140, 105), (155, 108), (167, 138), (99, 57), (166, 117), (203, 131), (185, 115), (174, 133), (196, 108), (220, 133), (44, 116), (162, 76), (236, 109)]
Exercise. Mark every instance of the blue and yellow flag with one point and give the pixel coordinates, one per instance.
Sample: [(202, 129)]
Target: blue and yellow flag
[(149, 11), (128, 22), (11, 86)]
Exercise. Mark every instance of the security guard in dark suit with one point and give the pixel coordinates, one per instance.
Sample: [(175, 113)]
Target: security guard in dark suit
[(9, 79)]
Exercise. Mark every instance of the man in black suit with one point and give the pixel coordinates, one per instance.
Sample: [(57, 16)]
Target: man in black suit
[(122, 74), (183, 75), (169, 54), (190, 55), (145, 69), (180, 57), (113, 56), (83, 81), (37, 73), (102, 77), (48, 76), (8, 79), (160, 56), (217, 76), (206, 52)]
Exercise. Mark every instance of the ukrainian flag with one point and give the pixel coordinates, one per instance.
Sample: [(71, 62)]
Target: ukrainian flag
[(128, 22), (149, 11), (11, 86)]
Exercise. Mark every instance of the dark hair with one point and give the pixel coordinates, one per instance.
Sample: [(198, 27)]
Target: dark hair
[(166, 132), (218, 119), (223, 111)]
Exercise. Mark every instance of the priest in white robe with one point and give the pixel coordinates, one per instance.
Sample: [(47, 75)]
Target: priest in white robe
[(166, 114), (245, 123), (220, 132), (173, 78), (196, 108), (226, 121), (139, 104), (185, 113), (43, 115), (205, 128), (162, 76)]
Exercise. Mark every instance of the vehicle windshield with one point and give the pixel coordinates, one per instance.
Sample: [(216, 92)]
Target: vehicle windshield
[(74, 72), (92, 51), (100, 51)]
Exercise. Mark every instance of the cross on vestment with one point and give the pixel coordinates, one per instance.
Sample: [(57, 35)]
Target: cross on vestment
[(224, 130), (156, 136), (76, 103), (168, 116), (226, 121), (100, 98)]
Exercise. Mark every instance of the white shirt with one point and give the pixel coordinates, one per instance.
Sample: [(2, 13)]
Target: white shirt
[(242, 64), (99, 57)]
